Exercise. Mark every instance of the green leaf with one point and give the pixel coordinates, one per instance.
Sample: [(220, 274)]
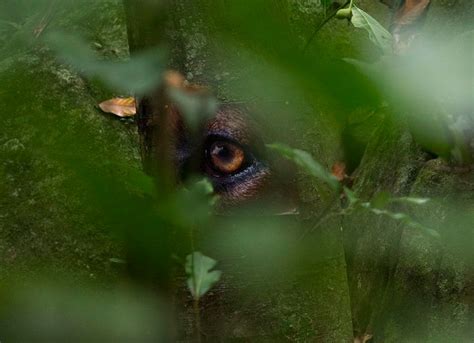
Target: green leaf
[(377, 33), (412, 200), (195, 108), (200, 277), (306, 161), (404, 218), (198, 192)]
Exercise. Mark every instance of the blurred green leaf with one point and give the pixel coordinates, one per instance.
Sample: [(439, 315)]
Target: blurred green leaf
[(253, 32), (432, 88), (200, 277), (196, 108), (198, 196), (205, 186), (57, 313), (137, 76), (377, 33), (306, 161)]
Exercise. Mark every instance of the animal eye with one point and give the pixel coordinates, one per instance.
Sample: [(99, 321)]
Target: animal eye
[(225, 157)]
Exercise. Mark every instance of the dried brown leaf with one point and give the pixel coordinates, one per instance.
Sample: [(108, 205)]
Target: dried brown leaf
[(121, 107), (410, 12), (406, 22)]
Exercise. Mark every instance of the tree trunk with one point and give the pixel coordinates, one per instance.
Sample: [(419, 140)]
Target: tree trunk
[(398, 283), (300, 303)]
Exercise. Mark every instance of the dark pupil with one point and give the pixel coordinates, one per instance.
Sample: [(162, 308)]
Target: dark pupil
[(222, 152)]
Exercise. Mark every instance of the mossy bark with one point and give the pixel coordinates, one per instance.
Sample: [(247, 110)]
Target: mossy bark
[(405, 284), (401, 284), (48, 230), (308, 301)]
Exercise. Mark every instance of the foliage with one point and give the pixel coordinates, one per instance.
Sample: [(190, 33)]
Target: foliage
[(377, 33), (200, 276), (74, 196), (137, 76), (379, 206), (306, 161)]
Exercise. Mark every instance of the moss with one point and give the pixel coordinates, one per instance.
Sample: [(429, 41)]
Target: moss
[(45, 216)]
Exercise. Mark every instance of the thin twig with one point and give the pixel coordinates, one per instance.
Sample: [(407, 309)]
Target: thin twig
[(46, 19)]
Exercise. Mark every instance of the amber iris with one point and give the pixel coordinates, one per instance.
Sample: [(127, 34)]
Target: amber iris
[(226, 157)]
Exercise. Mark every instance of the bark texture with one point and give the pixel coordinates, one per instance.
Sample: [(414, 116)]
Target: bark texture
[(302, 304)]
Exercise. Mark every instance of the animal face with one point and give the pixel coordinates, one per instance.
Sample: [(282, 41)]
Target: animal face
[(225, 144)]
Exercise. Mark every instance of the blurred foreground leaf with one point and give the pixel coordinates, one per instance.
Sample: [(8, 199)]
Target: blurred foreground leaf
[(200, 277), (138, 76), (195, 107), (51, 313), (433, 89)]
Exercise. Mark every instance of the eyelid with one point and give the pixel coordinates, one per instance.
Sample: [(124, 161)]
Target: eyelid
[(236, 137)]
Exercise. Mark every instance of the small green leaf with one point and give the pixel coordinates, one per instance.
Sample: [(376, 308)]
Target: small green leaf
[(117, 260), (306, 161), (377, 33), (200, 277), (398, 216), (376, 210), (205, 186), (412, 200)]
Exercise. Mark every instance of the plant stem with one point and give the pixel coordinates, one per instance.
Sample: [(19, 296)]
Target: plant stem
[(324, 22), (196, 310), (197, 318)]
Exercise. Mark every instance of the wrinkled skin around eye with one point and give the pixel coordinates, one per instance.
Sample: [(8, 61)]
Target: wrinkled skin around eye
[(229, 150)]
